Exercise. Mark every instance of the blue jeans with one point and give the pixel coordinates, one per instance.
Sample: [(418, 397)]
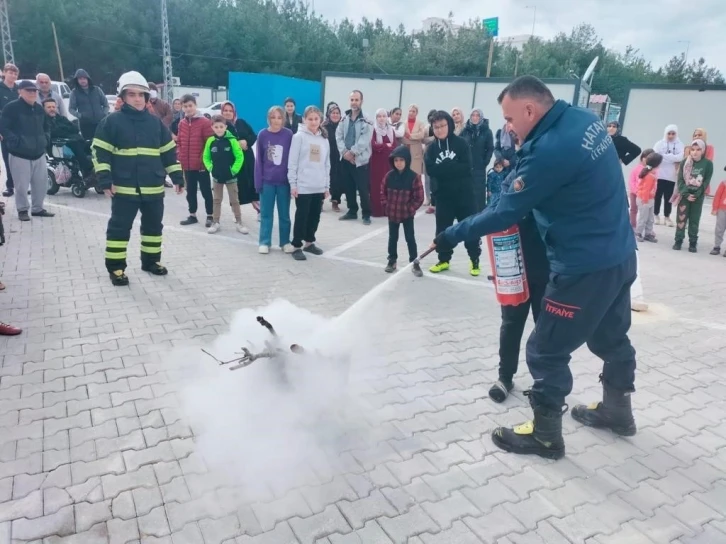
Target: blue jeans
[(269, 195)]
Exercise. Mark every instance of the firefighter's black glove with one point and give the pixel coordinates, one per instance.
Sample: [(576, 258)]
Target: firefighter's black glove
[(442, 243)]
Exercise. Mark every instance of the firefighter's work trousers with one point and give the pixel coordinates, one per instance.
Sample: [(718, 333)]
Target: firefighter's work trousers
[(118, 232)]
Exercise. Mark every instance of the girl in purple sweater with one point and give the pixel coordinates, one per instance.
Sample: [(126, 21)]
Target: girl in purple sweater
[(273, 149)]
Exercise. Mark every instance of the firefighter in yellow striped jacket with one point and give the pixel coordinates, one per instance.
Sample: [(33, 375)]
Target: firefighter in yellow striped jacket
[(132, 154)]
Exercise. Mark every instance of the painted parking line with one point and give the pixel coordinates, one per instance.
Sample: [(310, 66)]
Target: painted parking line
[(331, 255)]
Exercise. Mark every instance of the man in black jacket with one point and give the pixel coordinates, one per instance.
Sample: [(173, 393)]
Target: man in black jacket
[(23, 129), (87, 103), (8, 93), (60, 127), (448, 160), (133, 152)]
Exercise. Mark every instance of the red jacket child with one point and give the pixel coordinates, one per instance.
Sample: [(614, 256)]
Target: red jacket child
[(193, 134), (719, 199), (646, 187), (402, 192)]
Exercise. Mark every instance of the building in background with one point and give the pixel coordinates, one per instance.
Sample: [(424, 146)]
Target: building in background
[(517, 41), (439, 22)]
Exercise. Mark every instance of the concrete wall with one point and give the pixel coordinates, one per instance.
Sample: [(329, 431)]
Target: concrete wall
[(649, 108), (428, 92)]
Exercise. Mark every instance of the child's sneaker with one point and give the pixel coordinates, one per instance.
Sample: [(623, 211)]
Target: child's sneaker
[(214, 228), (298, 255), (474, 268), (242, 229), (313, 249), (391, 267), (288, 248), (716, 251), (439, 267), (264, 250), (500, 390), (650, 238), (417, 270)]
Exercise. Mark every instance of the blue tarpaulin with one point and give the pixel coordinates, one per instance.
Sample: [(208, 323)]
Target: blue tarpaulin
[(254, 94)]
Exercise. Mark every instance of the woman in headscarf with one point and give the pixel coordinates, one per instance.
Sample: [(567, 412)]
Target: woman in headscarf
[(672, 150), (413, 136), (246, 137), (332, 118), (505, 149), (457, 114), (383, 142), (481, 143), (627, 150)]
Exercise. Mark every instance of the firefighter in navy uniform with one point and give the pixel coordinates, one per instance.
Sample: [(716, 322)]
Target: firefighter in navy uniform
[(569, 174), (132, 154)]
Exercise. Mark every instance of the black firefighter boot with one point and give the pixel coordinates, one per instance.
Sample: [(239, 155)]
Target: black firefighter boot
[(615, 412), (542, 436)]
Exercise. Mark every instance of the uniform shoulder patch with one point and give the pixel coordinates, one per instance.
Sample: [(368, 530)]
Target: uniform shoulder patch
[(518, 184)]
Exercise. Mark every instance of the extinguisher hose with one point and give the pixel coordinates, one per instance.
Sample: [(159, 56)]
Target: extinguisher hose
[(424, 255)]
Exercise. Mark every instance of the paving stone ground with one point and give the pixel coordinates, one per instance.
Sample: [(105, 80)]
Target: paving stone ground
[(94, 447)]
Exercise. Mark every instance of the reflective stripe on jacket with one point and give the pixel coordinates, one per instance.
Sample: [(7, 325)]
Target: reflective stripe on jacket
[(133, 151)]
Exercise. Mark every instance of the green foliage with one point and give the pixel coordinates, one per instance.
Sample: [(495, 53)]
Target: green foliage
[(210, 38)]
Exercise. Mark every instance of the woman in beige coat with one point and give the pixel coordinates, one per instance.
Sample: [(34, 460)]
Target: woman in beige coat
[(414, 134)]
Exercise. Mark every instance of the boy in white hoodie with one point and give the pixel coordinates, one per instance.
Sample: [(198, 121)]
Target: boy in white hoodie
[(671, 149), (308, 170)]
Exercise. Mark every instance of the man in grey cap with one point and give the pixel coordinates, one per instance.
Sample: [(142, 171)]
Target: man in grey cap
[(23, 129)]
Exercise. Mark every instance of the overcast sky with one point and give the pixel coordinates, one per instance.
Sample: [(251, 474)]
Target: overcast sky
[(659, 29)]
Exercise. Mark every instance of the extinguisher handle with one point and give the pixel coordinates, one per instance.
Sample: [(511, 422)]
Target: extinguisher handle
[(424, 255)]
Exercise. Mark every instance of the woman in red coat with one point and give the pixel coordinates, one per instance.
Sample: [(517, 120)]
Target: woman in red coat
[(383, 143)]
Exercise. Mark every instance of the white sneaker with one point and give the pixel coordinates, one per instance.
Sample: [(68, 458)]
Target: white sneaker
[(288, 248), (214, 228), (657, 220), (668, 222), (242, 229), (264, 250)]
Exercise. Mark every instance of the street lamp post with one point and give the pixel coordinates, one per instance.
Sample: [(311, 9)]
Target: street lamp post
[(534, 17), (688, 47)]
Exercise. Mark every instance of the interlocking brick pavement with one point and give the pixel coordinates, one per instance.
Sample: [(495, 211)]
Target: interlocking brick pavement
[(94, 446)]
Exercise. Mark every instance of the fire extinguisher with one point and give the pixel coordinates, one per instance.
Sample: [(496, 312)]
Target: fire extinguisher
[(507, 261)]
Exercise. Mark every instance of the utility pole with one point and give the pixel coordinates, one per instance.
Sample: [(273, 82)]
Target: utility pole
[(57, 52), (5, 30), (166, 54), (491, 56)]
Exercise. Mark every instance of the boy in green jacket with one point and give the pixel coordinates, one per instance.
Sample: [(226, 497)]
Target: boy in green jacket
[(223, 157), (694, 176)]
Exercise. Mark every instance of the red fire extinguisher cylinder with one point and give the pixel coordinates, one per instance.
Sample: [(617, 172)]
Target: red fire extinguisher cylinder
[(507, 262)]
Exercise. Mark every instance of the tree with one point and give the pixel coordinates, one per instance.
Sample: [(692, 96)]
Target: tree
[(209, 39)]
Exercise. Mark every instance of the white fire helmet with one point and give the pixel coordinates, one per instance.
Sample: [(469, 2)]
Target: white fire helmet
[(133, 80)]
